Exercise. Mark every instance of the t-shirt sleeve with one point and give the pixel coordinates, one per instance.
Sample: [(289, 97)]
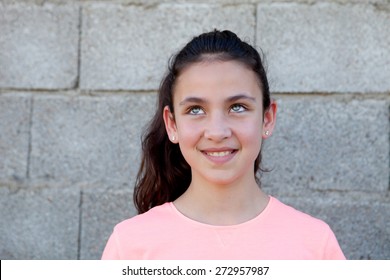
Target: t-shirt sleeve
[(111, 251), (332, 248)]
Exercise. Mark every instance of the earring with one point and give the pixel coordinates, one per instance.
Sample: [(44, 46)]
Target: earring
[(266, 132), (173, 138)]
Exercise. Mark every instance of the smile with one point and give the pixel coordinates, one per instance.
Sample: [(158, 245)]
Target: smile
[(219, 154)]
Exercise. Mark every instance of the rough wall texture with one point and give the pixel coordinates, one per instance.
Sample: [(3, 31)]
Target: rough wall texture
[(78, 82)]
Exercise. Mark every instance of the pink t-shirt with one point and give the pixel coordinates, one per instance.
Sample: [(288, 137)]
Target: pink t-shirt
[(279, 233)]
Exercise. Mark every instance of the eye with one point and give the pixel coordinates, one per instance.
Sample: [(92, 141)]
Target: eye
[(237, 108), (195, 110)]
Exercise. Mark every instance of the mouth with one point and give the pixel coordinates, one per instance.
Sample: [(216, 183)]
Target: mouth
[(219, 154)]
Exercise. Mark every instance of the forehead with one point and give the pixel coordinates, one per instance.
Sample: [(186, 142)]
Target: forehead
[(216, 78)]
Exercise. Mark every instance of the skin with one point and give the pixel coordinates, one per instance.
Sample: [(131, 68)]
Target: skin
[(218, 124)]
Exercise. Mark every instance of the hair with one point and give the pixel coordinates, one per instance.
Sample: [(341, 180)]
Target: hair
[(164, 174)]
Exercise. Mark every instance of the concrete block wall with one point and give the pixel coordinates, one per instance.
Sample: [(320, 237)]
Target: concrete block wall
[(78, 83)]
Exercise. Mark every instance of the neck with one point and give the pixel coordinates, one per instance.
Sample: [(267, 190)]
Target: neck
[(227, 204)]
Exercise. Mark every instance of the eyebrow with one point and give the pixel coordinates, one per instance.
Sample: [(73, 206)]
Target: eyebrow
[(241, 96), (234, 98)]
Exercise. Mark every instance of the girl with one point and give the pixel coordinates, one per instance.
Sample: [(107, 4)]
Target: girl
[(197, 192)]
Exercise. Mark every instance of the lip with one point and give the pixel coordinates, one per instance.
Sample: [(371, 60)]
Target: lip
[(219, 156)]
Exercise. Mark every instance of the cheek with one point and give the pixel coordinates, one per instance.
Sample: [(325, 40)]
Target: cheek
[(250, 134), (189, 133), (188, 141)]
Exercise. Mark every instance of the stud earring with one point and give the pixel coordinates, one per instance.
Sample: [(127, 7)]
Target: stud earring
[(266, 132), (173, 138)]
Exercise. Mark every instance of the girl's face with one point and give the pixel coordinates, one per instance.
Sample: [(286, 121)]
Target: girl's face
[(218, 121)]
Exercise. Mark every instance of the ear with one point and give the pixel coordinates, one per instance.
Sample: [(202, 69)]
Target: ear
[(269, 119), (170, 125)]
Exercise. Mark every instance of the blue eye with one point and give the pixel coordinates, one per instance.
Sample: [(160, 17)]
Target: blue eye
[(237, 108), (195, 110)]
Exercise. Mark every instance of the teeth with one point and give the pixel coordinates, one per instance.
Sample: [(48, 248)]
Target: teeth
[(218, 154)]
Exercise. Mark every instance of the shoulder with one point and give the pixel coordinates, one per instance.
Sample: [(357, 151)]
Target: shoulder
[(131, 238), (284, 213), (155, 217), (301, 228)]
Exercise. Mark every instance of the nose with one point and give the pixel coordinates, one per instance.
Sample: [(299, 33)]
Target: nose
[(217, 127)]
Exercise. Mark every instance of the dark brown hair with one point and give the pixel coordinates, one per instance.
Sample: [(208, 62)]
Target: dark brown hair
[(164, 174)]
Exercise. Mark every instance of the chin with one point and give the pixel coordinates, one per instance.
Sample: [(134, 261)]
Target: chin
[(222, 180)]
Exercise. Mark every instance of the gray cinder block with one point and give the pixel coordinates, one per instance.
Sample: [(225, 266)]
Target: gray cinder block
[(328, 144), (39, 223), (38, 46), (128, 47), (101, 211), (88, 140), (326, 47), (14, 135)]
